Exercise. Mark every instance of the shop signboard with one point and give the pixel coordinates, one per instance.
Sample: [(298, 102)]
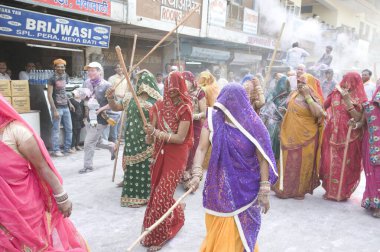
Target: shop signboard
[(93, 7), (32, 25), (251, 19), (207, 53), (217, 12)]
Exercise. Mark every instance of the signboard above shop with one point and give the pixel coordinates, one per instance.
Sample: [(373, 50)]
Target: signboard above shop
[(89, 7), (217, 12), (30, 25)]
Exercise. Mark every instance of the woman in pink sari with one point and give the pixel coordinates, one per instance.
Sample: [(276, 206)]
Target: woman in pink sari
[(371, 154), (34, 205), (342, 145)]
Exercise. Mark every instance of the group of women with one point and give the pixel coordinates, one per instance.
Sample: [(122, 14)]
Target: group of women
[(195, 126), (327, 141), (173, 148)]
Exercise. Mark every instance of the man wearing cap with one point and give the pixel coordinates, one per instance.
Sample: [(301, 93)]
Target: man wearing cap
[(59, 107), (98, 87)]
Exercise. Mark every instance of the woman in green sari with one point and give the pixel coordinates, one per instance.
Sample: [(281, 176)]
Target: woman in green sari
[(137, 154), (274, 110)]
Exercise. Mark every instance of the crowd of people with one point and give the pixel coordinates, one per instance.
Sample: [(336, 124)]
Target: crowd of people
[(291, 137)]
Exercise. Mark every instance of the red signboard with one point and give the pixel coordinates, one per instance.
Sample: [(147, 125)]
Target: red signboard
[(97, 7)]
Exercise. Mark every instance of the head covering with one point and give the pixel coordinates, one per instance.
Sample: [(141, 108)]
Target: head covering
[(59, 61), (233, 102), (314, 84), (354, 83), (172, 112), (94, 65), (209, 85), (189, 76), (146, 83), (246, 78), (282, 88)]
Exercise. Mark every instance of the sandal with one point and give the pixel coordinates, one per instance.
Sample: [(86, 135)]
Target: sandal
[(376, 214)]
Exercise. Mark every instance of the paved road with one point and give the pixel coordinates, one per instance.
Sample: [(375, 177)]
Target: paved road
[(311, 225)]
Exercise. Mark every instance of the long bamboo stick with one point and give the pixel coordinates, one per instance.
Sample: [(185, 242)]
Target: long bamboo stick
[(267, 76), (158, 222), (126, 74), (163, 39), (346, 145), (122, 119)]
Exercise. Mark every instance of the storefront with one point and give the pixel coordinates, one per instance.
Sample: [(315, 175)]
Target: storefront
[(29, 35)]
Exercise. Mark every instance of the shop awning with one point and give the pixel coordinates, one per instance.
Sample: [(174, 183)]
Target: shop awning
[(244, 59)]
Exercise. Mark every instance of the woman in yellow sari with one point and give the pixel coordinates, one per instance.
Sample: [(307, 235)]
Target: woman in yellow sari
[(210, 87), (300, 138)]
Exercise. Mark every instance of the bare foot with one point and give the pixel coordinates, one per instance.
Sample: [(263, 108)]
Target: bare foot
[(183, 206), (154, 248), (120, 184), (299, 198)]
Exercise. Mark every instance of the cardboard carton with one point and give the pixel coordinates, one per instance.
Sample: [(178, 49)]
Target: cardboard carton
[(5, 87), (20, 88), (21, 104)]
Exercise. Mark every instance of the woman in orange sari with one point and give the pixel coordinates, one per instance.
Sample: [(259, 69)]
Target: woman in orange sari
[(300, 140), (341, 160), (34, 205)]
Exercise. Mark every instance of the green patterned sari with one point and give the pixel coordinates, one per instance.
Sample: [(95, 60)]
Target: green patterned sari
[(137, 154)]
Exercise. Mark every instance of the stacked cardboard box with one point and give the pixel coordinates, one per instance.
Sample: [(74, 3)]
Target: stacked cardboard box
[(17, 92)]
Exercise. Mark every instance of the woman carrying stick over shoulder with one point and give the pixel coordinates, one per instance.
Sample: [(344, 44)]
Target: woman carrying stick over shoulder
[(241, 170), (137, 153), (172, 133)]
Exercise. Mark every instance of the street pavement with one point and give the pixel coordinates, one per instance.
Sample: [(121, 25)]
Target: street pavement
[(310, 225)]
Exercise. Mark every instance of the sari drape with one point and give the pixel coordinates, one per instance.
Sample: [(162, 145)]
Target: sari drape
[(272, 115), (233, 177), (371, 153), (137, 154), (29, 216), (341, 177), (169, 163), (300, 145)]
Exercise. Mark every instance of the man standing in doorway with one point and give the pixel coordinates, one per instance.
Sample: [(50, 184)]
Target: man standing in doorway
[(369, 86), (24, 75), (59, 107), (3, 71), (95, 127)]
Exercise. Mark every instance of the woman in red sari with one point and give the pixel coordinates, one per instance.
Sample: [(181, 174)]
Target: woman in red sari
[(34, 205), (172, 131), (341, 159)]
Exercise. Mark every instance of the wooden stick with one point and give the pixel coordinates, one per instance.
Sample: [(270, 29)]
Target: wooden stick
[(267, 76), (375, 71), (126, 74), (167, 35), (119, 134), (133, 53), (344, 162), (158, 222)]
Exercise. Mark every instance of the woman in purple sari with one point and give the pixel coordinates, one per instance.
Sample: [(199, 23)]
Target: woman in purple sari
[(371, 154), (241, 170)]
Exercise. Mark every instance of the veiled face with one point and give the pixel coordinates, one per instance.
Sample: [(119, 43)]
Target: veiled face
[(173, 93)]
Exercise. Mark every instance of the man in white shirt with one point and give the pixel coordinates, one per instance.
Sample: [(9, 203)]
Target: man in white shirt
[(296, 56), (24, 75), (221, 81), (369, 86), (160, 83), (3, 71)]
